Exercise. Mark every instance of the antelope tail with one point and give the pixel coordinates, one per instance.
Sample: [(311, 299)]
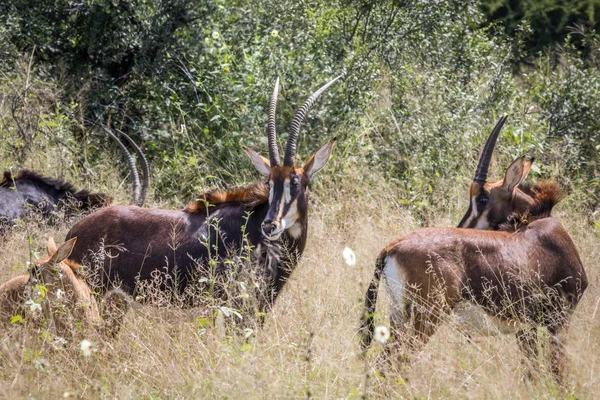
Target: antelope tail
[(367, 326)]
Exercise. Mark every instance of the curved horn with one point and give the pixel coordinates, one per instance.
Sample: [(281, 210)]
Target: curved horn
[(145, 168), (486, 153), (271, 132), (134, 172), (290, 149)]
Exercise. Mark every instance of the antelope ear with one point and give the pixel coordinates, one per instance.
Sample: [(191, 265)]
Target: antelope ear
[(63, 251), (260, 163), (317, 161), (526, 167), (515, 173), (51, 246)]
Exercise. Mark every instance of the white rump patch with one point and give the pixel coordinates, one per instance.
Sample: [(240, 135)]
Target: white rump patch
[(395, 279)]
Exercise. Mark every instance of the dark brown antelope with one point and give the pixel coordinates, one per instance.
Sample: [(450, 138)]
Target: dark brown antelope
[(525, 275), (27, 190), (270, 216), (45, 195), (67, 299)]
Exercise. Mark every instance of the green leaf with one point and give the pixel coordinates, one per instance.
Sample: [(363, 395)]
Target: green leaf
[(42, 289)]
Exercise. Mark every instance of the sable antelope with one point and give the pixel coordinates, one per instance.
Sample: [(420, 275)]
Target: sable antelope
[(525, 275), (271, 216), (503, 202), (67, 299), (29, 189)]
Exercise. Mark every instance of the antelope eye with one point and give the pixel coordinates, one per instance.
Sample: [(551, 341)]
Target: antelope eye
[(483, 200)]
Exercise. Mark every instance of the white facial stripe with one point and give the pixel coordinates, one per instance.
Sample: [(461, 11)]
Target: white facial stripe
[(483, 221), (474, 213), (286, 191), (281, 206), (291, 216)]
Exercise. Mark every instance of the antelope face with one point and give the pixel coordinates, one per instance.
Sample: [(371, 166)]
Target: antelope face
[(288, 191), (492, 203), (288, 185)]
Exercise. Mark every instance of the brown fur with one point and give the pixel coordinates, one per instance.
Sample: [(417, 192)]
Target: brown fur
[(545, 194), (540, 199), (76, 297), (143, 242), (12, 295), (251, 196), (79, 301), (532, 277)]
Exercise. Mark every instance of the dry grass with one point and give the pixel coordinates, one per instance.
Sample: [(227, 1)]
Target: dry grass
[(308, 347)]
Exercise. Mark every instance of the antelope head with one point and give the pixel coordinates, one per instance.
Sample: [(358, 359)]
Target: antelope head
[(288, 184), (49, 268), (492, 203)]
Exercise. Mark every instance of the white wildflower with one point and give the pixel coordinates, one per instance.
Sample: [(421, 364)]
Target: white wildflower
[(248, 332), (59, 293), (33, 306), (349, 256), (382, 334), (86, 347), (59, 343)]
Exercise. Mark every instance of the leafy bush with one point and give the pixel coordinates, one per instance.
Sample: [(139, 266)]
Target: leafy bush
[(551, 21), (190, 80)]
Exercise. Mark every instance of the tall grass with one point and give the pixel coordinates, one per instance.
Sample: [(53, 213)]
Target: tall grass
[(308, 345)]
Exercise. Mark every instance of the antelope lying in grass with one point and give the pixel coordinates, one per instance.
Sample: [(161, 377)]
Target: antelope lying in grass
[(67, 298), (27, 188), (270, 216), (526, 275), (30, 189)]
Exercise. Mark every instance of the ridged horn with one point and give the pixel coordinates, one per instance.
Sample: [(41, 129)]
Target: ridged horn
[(145, 168), (271, 132), (486, 153), (134, 172), (290, 149)]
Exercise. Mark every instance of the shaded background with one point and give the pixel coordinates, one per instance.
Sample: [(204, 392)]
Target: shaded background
[(190, 81)]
